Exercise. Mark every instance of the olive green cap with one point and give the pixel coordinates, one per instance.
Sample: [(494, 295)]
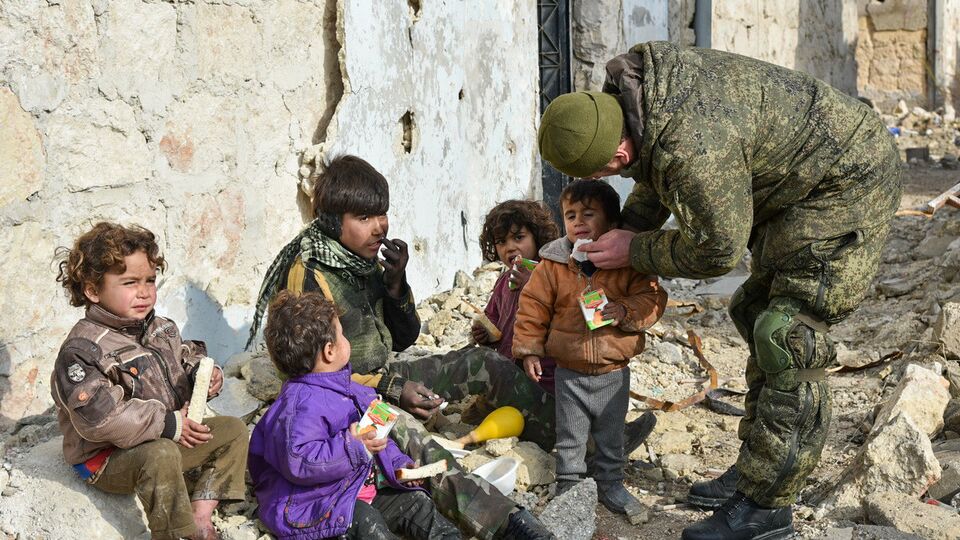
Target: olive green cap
[(580, 132)]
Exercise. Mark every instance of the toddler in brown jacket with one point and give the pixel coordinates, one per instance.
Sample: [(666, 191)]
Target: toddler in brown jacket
[(592, 386)]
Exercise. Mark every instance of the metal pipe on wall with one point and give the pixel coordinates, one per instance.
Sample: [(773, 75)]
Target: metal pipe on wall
[(702, 22)]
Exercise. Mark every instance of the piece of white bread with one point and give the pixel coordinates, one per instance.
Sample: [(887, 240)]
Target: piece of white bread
[(201, 387), (426, 471)]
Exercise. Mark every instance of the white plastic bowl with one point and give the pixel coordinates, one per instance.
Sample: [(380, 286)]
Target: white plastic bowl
[(501, 473)]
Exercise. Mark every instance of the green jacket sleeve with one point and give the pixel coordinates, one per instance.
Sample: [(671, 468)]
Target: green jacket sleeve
[(707, 186), (643, 210)]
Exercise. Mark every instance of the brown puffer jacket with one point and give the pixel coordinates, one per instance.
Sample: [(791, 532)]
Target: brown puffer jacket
[(120, 382), (550, 323)]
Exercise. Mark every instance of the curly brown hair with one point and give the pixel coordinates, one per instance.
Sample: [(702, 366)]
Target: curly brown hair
[(298, 327), (99, 251), (510, 216)]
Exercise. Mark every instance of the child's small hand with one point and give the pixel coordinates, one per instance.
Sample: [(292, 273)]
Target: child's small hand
[(615, 312), (369, 439), (531, 366), (216, 382), (519, 275), (191, 433), (479, 333)]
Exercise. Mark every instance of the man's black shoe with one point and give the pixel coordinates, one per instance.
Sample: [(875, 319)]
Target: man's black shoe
[(742, 519), (714, 493), (637, 431), (522, 525)]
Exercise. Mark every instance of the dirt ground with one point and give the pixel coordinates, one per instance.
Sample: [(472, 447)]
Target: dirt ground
[(879, 326)]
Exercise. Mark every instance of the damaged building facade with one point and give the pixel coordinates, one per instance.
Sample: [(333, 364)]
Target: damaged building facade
[(204, 122)]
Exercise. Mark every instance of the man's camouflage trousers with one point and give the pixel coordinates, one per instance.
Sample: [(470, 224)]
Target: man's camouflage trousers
[(483, 371), (812, 266), (472, 502)]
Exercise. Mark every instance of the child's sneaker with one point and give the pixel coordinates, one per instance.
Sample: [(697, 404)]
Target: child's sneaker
[(564, 486)]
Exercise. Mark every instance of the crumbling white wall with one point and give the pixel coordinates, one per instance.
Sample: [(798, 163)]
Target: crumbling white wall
[(190, 119), (602, 29), (815, 36)]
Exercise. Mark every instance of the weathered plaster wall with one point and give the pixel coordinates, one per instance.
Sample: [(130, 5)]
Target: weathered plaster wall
[(815, 36), (190, 119), (891, 52), (602, 29)]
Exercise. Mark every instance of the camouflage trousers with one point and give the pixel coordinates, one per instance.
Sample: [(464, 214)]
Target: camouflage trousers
[(812, 266), (479, 508), (166, 476), (482, 370)]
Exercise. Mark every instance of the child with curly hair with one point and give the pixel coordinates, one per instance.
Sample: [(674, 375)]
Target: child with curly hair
[(122, 381)]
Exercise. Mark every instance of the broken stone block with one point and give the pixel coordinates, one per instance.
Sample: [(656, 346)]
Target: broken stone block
[(672, 442), (573, 515), (499, 447), (897, 456), (462, 280), (922, 394), (536, 468), (953, 377), (438, 324), (896, 286), (949, 483), (951, 416), (234, 400), (910, 515), (234, 365), (854, 358), (677, 465), (947, 329), (474, 459), (263, 381)]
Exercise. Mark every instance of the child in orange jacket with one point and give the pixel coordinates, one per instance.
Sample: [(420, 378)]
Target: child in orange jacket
[(592, 384)]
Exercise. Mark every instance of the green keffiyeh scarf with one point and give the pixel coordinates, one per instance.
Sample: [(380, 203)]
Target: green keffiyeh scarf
[(310, 244)]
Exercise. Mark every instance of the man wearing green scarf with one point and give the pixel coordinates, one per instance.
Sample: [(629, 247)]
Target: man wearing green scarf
[(337, 254), (745, 155)]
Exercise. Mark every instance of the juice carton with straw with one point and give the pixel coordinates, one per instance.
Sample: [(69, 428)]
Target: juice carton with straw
[(380, 417), (529, 264), (591, 305)]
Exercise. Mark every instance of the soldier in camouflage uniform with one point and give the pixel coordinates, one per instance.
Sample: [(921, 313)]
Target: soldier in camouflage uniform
[(746, 155), (337, 255)]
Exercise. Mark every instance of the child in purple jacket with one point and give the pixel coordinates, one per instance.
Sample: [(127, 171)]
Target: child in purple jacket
[(311, 470)]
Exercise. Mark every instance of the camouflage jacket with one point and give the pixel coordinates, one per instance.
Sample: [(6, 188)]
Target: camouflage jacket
[(726, 143), (120, 382)]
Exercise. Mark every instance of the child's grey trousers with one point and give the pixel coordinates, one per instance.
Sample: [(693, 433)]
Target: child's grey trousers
[(591, 405)]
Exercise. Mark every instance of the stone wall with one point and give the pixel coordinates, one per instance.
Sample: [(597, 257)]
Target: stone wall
[(891, 52), (192, 119), (815, 36)]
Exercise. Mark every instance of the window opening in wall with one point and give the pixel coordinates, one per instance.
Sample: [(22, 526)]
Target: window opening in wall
[(553, 18)]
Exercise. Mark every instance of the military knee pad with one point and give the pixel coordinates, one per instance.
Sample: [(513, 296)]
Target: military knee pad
[(770, 334)]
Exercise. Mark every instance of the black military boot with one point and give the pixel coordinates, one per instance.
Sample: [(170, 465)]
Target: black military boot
[(522, 525), (742, 519), (712, 494), (637, 431)]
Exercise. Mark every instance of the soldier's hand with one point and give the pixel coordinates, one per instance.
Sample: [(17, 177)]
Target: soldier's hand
[(369, 439), (418, 400), (531, 366), (611, 250), (479, 333), (615, 312), (395, 258), (191, 433), (216, 382)]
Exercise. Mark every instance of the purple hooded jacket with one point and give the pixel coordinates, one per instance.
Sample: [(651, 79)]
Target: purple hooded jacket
[(306, 467)]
